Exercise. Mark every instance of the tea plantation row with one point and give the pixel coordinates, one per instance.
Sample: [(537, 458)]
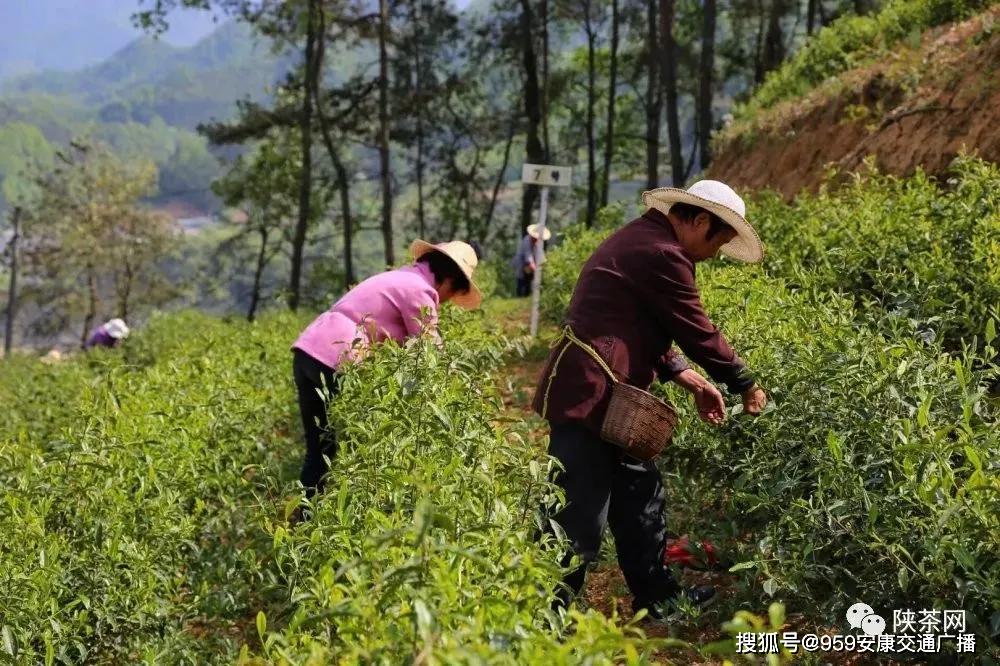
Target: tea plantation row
[(146, 490), (875, 474), (146, 493)]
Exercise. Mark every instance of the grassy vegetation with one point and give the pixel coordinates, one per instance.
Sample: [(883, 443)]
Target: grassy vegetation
[(148, 487), (870, 475)]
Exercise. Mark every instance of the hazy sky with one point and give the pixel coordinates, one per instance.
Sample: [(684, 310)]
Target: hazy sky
[(70, 34)]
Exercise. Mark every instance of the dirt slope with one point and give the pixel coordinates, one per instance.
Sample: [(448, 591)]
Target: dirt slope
[(917, 108)]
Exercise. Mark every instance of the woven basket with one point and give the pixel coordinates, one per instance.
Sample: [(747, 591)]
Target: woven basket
[(638, 422)]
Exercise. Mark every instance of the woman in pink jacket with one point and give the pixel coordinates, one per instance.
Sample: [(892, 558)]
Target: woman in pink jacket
[(396, 304)]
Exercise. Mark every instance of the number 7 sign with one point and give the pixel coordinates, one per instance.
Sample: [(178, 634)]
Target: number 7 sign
[(547, 175)]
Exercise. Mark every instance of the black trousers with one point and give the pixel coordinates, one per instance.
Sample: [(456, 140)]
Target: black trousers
[(524, 285), (604, 486), (316, 383)]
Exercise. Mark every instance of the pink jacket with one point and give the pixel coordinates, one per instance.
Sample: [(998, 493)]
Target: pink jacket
[(396, 304)]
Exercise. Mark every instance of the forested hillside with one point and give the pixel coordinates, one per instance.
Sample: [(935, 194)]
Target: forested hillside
[(346, 133), (915, 96), (147, 101)]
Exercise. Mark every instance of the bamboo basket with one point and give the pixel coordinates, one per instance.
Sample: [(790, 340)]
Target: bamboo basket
[(636, 421)]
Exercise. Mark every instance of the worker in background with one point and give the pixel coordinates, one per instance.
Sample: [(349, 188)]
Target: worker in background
[(109, 334), (524, 259), (397, 305)]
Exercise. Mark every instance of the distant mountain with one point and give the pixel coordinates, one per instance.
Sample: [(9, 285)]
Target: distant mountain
[(70, 34), (183, 86), (146, 100), (144, 97)]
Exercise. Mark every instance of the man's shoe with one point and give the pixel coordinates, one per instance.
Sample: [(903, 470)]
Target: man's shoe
[(699, 596), (298, 516)]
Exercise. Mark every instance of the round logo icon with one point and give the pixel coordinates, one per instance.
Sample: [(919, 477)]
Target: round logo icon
[(857, 613)]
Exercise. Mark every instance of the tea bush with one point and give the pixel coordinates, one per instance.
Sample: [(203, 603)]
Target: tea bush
[(907, 246), (870, 478), (903, 248), (150, 509), (26, 393), (423, 545), (873, 474), (124, 484)]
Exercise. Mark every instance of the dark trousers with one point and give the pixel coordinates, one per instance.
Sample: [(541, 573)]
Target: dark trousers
[(315, 383), (604, 486), (524, 285)]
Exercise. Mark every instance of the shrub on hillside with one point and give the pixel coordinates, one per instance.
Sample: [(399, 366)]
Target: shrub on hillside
[(123, 477), (851, 41), (868, 478), (907, 246)]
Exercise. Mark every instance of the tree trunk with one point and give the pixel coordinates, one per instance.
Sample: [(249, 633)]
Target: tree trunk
[(774, 41), (654, 99), (88, 319), (668, 69), (499, 180), (418, 94), (545, 81), (343, 186), (125, 293), (467, 193), (758, 54), (609, 137), (591, 101), (383, 116), (343, 180), (305, 177), (705, 95), (8, 338), (811, 17), (694, 151), (534, 151), (258, 272)]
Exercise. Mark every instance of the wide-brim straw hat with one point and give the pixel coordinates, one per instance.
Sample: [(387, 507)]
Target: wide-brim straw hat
[(464, 257), (533, 232), (720, 199), (117, 329)]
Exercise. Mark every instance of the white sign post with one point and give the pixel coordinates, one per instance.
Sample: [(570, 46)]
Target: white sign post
[(545, 176)]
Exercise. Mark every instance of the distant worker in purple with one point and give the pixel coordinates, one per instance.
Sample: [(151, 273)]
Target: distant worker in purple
[(397, 305), (109, 334)]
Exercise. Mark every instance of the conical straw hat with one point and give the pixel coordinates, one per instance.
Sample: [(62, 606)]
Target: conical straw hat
[(464, 257)]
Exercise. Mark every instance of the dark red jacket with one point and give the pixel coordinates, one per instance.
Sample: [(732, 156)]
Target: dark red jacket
[(635, 297)]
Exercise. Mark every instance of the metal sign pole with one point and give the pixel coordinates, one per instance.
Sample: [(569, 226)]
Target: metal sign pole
[(544, 176), (536, 283)]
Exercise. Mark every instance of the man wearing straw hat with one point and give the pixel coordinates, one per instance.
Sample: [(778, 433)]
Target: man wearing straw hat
[(397, 305), (524, 259), (636, 297)]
